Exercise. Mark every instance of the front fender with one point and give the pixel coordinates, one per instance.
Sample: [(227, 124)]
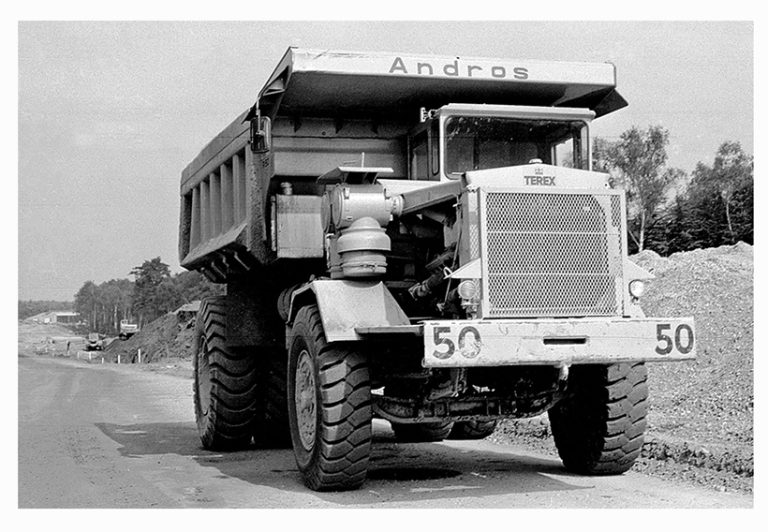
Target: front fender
[(347, 305)]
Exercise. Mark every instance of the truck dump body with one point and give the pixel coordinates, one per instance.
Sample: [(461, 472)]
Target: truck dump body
[(215, 207), (332, 107)]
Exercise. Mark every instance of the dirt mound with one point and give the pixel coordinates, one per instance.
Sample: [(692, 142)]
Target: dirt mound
[(711, 399), (166, 337)]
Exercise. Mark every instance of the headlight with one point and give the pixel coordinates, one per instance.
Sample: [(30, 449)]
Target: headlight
[(467, 289), (636, 288)]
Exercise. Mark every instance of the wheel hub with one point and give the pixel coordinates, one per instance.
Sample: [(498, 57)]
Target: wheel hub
[(306, 400)]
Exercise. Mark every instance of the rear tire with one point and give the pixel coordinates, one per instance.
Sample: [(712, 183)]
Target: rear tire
[(225, 385), (472, 430), (598, 427), (422, 432), (329, 407)]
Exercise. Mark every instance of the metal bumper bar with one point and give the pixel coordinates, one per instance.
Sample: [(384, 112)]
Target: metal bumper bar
[(471, 343)]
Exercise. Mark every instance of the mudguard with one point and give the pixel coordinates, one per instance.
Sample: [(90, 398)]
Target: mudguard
[(348, 305)]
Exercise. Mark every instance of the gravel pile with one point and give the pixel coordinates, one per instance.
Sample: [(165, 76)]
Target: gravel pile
[(166, 337), (708, 404), (701, 412)]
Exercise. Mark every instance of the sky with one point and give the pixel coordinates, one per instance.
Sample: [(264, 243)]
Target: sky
[(109, 113)]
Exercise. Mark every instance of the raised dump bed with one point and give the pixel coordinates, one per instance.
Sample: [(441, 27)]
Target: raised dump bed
[(327, 109)]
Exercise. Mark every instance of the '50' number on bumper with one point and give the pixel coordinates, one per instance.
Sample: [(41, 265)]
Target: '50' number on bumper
[(445, 342), (682, 340)]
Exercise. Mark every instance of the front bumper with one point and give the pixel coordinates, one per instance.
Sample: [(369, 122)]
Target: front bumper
[(471, 343)]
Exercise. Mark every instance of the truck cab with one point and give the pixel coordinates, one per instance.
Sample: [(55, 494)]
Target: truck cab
[(458, 138)]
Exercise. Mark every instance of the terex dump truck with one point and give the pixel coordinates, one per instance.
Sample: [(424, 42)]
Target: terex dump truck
[(419, 239)]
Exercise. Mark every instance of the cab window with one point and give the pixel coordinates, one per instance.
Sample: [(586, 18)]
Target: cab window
[(478, 143)]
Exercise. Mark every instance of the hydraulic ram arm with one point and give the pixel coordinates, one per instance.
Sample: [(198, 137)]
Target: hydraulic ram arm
[(421, 198)]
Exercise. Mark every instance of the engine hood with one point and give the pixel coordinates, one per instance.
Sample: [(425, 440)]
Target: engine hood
[(544, 176)]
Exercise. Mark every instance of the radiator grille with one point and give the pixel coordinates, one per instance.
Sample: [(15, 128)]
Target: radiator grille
[(552, 254)]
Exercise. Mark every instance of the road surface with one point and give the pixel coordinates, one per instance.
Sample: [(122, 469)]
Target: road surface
[(108, 436)]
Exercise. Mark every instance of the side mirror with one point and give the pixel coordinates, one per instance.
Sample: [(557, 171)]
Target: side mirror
[(261, 134)]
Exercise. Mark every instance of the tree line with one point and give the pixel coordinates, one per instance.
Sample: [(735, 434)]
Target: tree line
[(669, 211), (152, 293)]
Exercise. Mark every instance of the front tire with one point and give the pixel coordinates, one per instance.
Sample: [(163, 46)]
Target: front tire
[(598, 427), (329, 407), (225, 386)]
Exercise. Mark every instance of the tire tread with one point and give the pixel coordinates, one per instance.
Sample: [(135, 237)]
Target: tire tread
[(599, 427), (344, 437), (226, 423)]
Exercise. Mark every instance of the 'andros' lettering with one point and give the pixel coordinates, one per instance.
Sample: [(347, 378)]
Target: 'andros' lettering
[(454, 69)]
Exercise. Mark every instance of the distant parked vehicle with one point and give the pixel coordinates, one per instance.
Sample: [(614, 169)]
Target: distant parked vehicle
[(127, 329), (94, 342)]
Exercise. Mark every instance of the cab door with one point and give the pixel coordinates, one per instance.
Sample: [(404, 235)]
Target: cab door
[(423, 152)]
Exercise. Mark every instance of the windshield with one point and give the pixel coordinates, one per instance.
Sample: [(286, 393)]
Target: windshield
[(480, 142)]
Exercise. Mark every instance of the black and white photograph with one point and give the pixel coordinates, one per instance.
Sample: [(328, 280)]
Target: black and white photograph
[(357, 264)]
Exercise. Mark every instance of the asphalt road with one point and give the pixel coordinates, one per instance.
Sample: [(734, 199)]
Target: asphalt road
[(103, 436)]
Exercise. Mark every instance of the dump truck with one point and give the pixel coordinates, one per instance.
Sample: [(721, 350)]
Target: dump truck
[(127, 329), (94, 342), (420, 239)]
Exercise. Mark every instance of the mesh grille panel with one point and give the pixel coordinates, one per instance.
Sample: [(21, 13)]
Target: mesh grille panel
[(552, 254), (474, 241)]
